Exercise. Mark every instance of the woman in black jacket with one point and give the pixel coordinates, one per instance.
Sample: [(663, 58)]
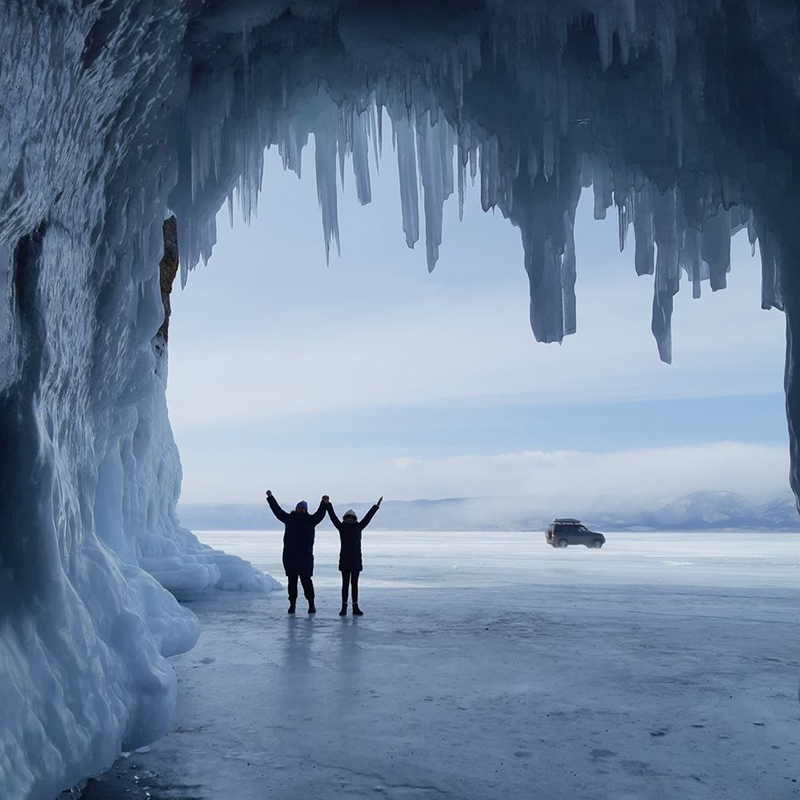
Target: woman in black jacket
[(350, 564), (298, 546)]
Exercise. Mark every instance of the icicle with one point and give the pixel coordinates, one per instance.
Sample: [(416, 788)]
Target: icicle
[(489, 176), (667, 279), (430, 170), (290, 148), (325, 155), (552, 285), (462, 176), (586, 171), (644, 255), (771, 294), (374, 128), (403, 133), (717, 247), (692, 260), (569, 275), (752, 233), (446, 143), (603, 184), (343, 141), (361, 158), (624, 221)]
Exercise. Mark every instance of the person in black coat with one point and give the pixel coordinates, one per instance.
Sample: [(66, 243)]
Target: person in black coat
[(350, 564), (298, 546)]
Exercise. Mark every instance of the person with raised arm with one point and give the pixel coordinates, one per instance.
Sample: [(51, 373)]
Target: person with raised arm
[(298, 546), (350, 562)]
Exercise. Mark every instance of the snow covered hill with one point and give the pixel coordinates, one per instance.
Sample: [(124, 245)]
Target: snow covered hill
[(698, 511)]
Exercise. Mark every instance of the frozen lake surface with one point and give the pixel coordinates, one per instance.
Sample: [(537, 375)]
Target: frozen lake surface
[(489, 665)]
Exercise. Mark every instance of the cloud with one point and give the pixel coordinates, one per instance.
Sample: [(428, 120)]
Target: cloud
[(657, 473), (557, 477), (467, 342)]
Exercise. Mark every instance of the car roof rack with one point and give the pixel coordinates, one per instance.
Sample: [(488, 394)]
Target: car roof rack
[(565, 519)]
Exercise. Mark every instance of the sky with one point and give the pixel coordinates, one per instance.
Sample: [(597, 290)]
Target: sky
[(370, 376)]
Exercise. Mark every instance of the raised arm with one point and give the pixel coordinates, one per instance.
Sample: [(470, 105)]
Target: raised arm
[(275, 507), (319, 514), (334, 519), (370, 514)]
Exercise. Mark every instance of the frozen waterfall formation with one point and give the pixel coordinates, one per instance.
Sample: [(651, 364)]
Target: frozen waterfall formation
[(117, 113)]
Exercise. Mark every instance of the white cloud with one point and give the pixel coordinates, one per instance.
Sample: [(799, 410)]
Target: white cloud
[(757, 471), (653, 473), (470, 342)]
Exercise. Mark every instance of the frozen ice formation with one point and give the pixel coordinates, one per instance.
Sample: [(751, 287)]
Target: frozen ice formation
[(682, 114)]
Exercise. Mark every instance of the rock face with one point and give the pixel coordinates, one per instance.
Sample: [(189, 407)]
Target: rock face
[(167, 271)]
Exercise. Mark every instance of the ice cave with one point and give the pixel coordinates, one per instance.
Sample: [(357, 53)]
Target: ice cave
[(120, 117)]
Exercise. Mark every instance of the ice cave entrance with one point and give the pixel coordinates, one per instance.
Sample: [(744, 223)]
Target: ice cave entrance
[(118, 115), (285, 368)]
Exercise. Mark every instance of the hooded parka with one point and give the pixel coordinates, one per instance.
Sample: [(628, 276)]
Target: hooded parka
[(350, 539), (298, 538)]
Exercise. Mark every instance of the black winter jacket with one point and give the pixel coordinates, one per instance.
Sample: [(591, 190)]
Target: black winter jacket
[(350, 539), (298, 538)]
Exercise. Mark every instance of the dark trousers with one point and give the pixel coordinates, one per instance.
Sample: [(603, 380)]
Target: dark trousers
[(350, 579), (308, 587)]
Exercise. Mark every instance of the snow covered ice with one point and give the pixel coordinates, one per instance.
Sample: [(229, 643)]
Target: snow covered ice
[(490, 666), (116, 114)]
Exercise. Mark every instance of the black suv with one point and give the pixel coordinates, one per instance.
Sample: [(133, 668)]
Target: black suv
[(562, 532)]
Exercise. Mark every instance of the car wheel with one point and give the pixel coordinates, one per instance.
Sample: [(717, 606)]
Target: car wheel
[(598, 543), (562, 542)]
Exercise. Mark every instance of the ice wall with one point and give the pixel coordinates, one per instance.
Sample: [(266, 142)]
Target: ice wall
[(681, 114), (89, 473)]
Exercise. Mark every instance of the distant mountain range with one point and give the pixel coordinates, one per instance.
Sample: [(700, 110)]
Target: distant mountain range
[(698, 511)]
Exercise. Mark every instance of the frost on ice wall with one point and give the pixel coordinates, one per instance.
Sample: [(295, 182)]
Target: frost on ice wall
[(113, 115)]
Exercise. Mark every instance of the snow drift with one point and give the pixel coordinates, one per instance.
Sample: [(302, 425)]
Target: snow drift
[(680, 114)]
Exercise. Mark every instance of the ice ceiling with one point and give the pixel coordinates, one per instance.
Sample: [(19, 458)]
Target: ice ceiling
[(682, 114)]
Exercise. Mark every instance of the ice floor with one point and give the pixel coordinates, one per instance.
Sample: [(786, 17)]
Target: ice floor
[(491, 666)]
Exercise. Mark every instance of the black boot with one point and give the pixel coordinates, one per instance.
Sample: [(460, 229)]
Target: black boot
[(312, 609), (343, 612), (291, 607), (357, 612)]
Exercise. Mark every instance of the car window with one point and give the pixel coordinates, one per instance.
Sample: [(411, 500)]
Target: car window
[(565, 528)]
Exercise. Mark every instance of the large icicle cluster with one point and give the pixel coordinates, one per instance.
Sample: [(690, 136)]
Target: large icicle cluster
[(113, 114), (535, 102)]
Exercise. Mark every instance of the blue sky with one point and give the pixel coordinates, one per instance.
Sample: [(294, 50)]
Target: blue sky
[(371, 376)]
